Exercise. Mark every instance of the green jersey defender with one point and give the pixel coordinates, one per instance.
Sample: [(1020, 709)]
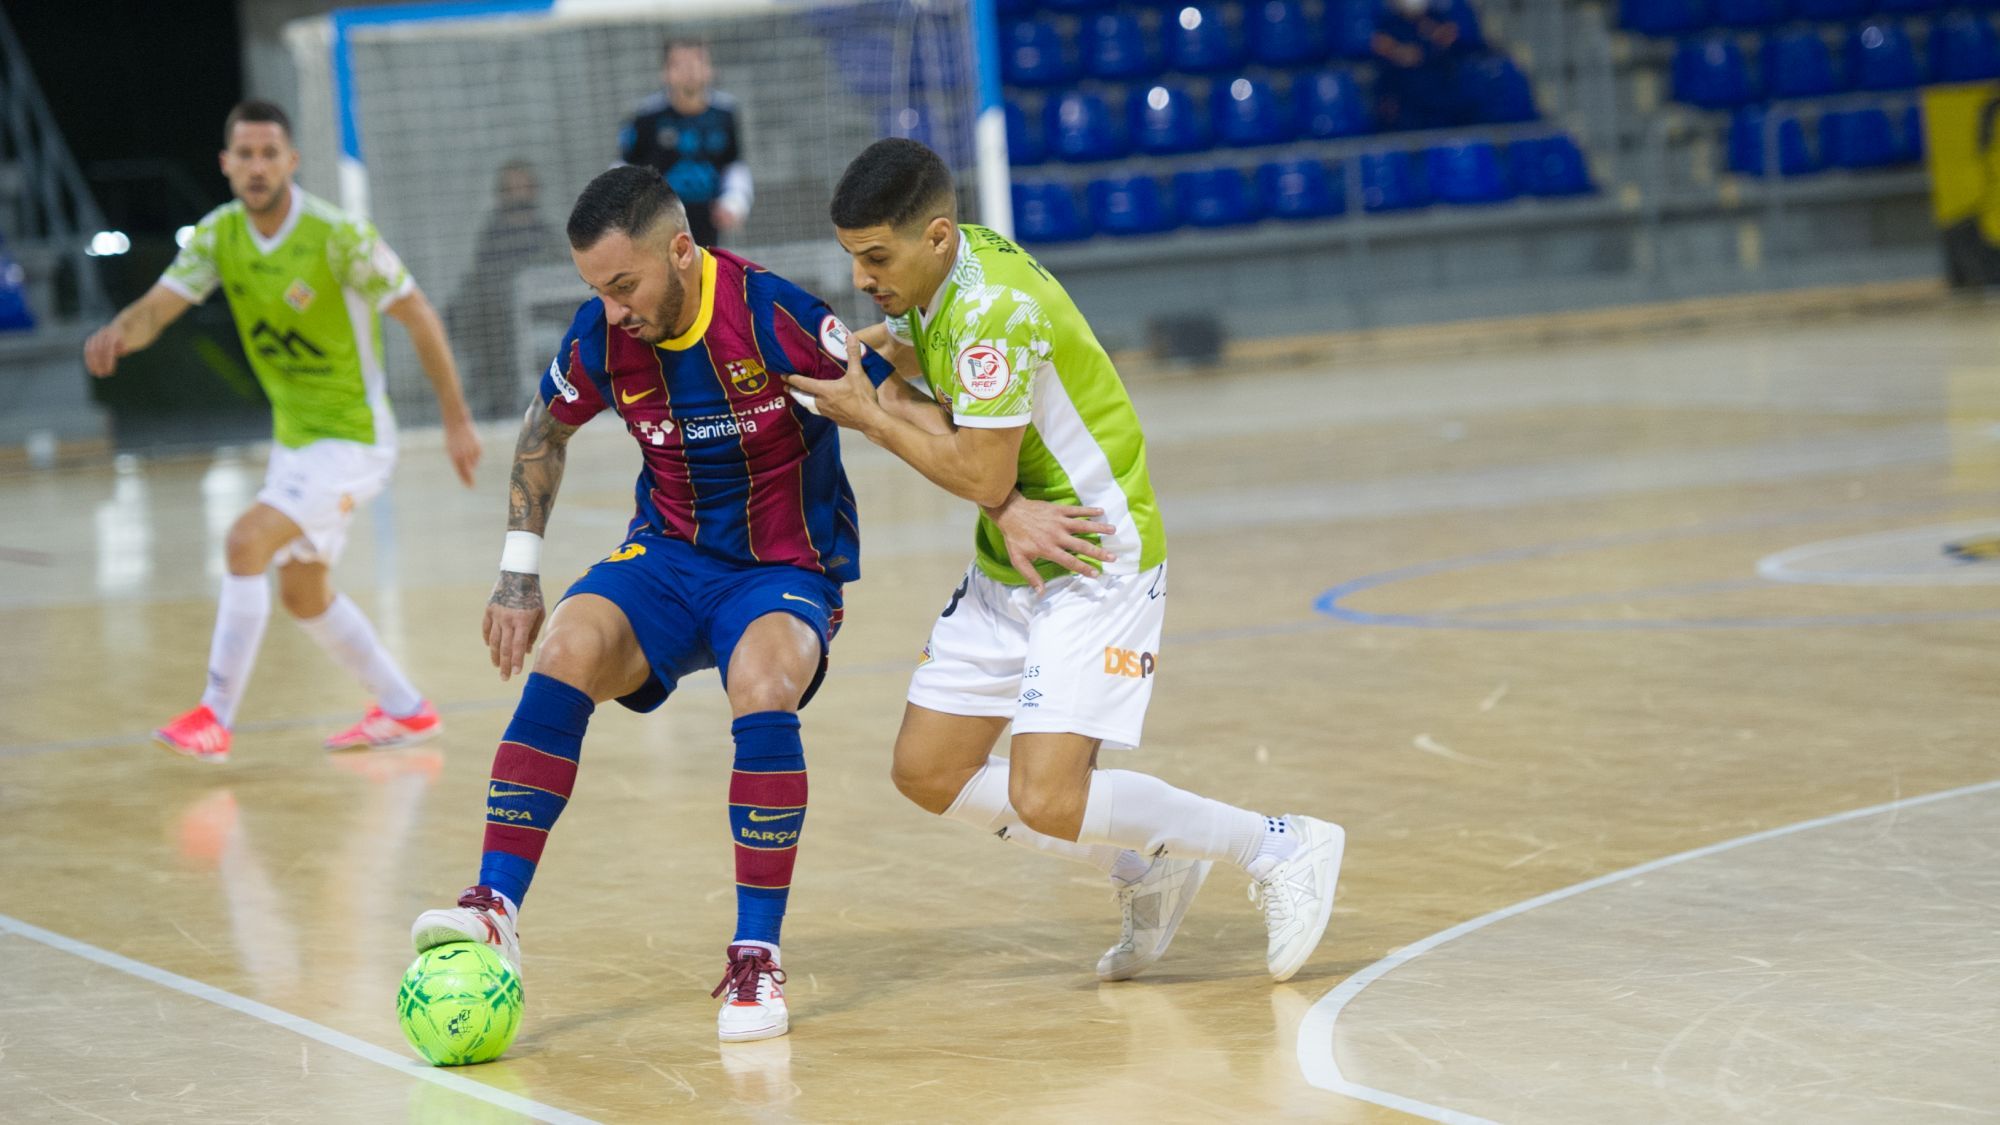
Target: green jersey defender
[(1004, 346), (307, 304)]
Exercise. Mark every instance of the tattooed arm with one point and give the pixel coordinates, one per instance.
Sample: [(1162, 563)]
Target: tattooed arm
[(514, 612)]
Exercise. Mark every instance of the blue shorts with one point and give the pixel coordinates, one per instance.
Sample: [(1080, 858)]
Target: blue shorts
[(689, 609)]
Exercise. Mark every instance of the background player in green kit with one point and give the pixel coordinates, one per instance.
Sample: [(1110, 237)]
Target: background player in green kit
[(305, 283), (1022, 397)]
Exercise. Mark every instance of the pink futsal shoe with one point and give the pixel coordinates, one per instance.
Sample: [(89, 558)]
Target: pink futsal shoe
[(754, 1007), (198, 734), (482, 914), (379, 730)]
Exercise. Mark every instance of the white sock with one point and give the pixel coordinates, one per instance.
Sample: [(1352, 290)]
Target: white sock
[(983, 804), (1277, 845), (343, 631), (1145, 814), (240, 616)]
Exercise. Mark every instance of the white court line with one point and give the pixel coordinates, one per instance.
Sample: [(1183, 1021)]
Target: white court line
[(338, 1040), (1316, 1047)]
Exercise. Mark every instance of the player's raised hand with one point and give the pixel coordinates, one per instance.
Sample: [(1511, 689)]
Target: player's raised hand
[(461, 444), (102, 350), (846, 401), (513, 618), (1036, 529)]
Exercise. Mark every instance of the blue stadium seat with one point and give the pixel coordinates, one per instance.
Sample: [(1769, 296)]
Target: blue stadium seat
[(15, 315), (1710, 72), (1046, 213), (1215, 197), (1076, 5), (1301, 189), (1857, 138), (1166, 119), (1081, 127), (1496, 90), (1746, 144), (1116, 47), (1751, 13), (1799, 64), (1664, 17), (1281, 34), (1391, 181), (1550, 166), (1130, 205), (1005, 9), (1026, 146), (1033, 54), (1964, 48), (1910, 136), (1904, 7), (1330, 103), (1350, 28), (1880, 57), (1466, 172), (1201, 41), (1831, 10), (1248, 112)]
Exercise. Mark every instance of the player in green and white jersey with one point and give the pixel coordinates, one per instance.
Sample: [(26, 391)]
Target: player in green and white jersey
[(305, 283), (1056, 627)]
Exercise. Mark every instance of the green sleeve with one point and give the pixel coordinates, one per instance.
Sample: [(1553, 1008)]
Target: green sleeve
[(366, 264), (994, 362)]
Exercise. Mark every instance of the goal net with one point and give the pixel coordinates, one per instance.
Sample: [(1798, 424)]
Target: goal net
[(410, 113)]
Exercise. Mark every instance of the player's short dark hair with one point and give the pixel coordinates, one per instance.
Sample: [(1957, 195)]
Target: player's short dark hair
[(683, 43), (257, 110), (896, 182), (627, 198)]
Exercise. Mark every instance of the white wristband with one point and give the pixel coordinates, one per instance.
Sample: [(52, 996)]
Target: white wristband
[(523, 553)]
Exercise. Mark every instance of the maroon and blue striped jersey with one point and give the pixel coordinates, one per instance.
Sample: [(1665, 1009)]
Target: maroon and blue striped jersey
[(732, 464)]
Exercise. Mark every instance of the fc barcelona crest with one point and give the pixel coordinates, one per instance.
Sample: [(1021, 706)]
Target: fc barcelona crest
[(747, 376)]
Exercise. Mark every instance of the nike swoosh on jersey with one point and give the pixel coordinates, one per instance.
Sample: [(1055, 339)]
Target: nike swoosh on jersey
[(778, 816), (796, 598), (628, 398), (496, 791)]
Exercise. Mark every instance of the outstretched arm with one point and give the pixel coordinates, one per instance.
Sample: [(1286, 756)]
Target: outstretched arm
[(514, 611), (461, 442), (136, 326)]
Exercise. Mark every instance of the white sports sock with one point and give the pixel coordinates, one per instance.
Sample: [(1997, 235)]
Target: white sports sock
[(343, 631), (240, 616), (1145, 814), (983, 804)]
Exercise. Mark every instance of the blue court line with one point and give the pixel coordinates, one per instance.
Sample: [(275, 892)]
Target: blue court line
[(1331, 603)]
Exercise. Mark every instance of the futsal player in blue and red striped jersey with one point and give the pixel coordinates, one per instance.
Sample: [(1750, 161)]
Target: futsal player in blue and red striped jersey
[(744, 534)]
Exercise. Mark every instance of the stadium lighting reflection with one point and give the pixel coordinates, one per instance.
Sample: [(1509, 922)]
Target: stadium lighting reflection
[(1190, 18), (108, 244), (183, 236)]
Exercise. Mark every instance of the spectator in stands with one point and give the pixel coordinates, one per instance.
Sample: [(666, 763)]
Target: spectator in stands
[(515, 237), (1420, 43), (688, 133)]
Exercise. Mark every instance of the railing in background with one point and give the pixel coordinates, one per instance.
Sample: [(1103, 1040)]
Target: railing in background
[(46, 209)]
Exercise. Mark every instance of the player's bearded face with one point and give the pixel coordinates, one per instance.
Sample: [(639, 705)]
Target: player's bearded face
[(638, 282), (258, 163)]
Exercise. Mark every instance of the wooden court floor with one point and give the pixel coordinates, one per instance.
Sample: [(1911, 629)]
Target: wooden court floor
[(1653, 682)]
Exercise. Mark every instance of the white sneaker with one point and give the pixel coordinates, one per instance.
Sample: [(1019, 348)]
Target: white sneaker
[(1153, 907), (754, 1007), (482, 914), (1296, 894)]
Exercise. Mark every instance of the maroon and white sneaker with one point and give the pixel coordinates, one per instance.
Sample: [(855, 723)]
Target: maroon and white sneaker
[(196, 734), (753, 992), (482, 914)]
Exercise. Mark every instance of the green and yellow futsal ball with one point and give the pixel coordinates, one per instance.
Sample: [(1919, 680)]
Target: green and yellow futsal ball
[(460, 1004)]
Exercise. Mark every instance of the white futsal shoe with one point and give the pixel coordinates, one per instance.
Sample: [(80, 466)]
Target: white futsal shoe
[(482, 914), (1153, 907), (1296, 894), (753, 996)]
